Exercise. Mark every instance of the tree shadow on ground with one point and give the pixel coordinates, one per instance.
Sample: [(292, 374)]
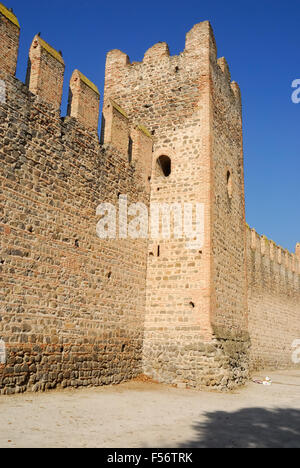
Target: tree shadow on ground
[(248, 428)]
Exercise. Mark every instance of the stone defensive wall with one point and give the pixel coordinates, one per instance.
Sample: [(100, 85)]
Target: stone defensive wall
[(273, 301), (72, 305), (77, 310)]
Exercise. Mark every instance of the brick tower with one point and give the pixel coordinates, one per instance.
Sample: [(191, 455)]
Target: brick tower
[(196, 329)]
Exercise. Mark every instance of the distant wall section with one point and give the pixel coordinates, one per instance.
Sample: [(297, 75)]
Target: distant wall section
[(273, 301)]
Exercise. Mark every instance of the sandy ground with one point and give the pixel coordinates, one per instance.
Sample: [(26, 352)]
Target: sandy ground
[(139, 414)]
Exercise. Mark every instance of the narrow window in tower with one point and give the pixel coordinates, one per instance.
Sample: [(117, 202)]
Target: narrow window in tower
[(130, 145), (164, 165), (229, 184)]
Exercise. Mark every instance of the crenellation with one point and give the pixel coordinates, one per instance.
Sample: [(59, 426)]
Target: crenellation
[(115, 123), (49, 231), (225, 68), (268, 248), (116, 57), (200, 43), (9, 40), (229, 90), (157, 52), (279, 255), (116, 63), (84, 101), (294, 263), (80, 310), (253, 239), (288, 260), (45, 73), (142, 152), (9, 14), (263, 245), (237, 92), (273, 297)]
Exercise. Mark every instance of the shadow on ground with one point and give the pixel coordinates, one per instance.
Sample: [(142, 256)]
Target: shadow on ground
[(248, 428)]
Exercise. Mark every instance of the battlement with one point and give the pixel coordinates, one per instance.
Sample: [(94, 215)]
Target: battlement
[(133, 141), (298, 251), (273, 301), (46, 66), (45, 73), (45, 78), (198, 59), (269, 249), (84, 100), (105, 310), (9, 14), (200, 43), (9, 40)]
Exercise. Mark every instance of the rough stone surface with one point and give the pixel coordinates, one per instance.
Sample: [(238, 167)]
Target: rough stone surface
[(274, 302), (194, 114), (79, 311), (72, 305)]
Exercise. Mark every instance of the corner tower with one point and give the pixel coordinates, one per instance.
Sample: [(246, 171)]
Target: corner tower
[(196, 329)]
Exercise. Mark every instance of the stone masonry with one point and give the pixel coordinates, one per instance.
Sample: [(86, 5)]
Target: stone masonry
[(77, 310)]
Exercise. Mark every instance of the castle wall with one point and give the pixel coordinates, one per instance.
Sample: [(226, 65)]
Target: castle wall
[(193, 301), (229, 297), (72, 305), (9, 40), (45, 73), (162, 92), (77, 310), (274, 302), (229, 238)]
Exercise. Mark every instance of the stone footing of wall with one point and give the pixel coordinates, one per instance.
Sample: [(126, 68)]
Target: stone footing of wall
[(45, 367), (221, 364)]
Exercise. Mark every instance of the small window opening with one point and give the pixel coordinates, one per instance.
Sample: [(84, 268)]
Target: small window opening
[(158, 250), (130, 146), (109, 275), (229, 184), (77, 243), (164, 164), (192, 305)]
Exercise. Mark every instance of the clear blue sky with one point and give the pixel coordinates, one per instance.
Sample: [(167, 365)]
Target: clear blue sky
[(261, 43)]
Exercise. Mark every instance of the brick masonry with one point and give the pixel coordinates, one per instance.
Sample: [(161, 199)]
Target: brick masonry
[(77, 310), (274, 301)]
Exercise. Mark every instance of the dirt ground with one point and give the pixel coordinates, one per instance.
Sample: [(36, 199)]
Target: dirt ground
[(138, 414)]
